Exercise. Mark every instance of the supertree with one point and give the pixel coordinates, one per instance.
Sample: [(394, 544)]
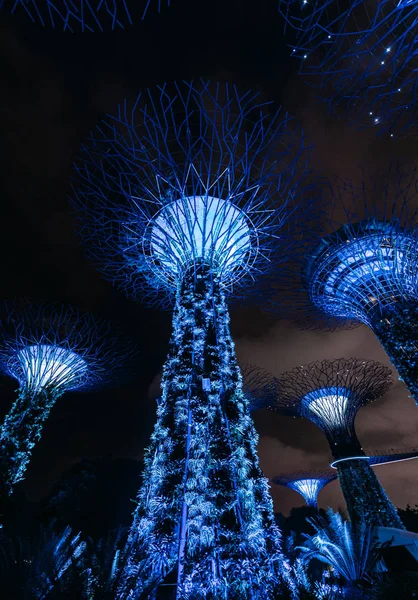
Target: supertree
[(363, 56), (83, 15), (191, 194), (50, 349), (366, 271), (307, 483), (329, 393)]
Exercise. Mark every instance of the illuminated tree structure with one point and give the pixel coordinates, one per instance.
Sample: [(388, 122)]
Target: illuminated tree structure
[(329, 393), (368, 272), (307, 483), (83, 15), (191, 195), (49, 350), (363, 55)]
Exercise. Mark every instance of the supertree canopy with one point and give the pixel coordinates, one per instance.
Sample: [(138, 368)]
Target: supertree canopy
[(307, 483), (363, 56), (192, 194), (329, 393), (49, 349), (366, 271), (83, 15)]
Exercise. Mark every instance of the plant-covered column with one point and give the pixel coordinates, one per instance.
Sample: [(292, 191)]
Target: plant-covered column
[(397, 331), (204, 506)]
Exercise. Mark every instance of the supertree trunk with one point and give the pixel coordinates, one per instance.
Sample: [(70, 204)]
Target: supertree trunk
[(397, 331), (21, 429), (204, 511), (365, 498)]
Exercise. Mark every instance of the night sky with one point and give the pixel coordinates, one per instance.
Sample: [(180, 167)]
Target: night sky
[(55, 88)]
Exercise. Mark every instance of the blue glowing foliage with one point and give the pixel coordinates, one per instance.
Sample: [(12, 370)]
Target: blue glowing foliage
[(83, 15), (204, 511), (192, 173), (347, 547), (41, 565), (307, 484), (50, 349), (364, 496), (330, 393), (363, 56)]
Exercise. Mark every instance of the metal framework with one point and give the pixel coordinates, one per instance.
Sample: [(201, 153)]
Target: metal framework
[(83, 15), (188, 197), (363, 57), (192, 173), (329, 393), (307, 483), (50, 349)]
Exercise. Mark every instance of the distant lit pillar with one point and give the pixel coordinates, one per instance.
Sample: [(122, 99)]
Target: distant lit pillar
[(329, 393)]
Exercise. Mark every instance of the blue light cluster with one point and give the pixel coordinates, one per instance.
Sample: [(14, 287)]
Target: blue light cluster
[(201, 228), (43, 366), (329, 405), (363, 57), (306, 484), (83, 15)]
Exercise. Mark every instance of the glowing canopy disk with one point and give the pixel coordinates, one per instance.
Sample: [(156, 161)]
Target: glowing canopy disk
[(44, 366), (330, 405), (362, 269), (199, 228)]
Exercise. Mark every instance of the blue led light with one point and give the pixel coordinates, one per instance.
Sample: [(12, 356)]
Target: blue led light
[(348, 458), (330, 405), (361, 56), (309, 489), (201, 228), (330, 393), (83, 15), (50, 366), (307, 484), (369, 272), (360, 270)]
